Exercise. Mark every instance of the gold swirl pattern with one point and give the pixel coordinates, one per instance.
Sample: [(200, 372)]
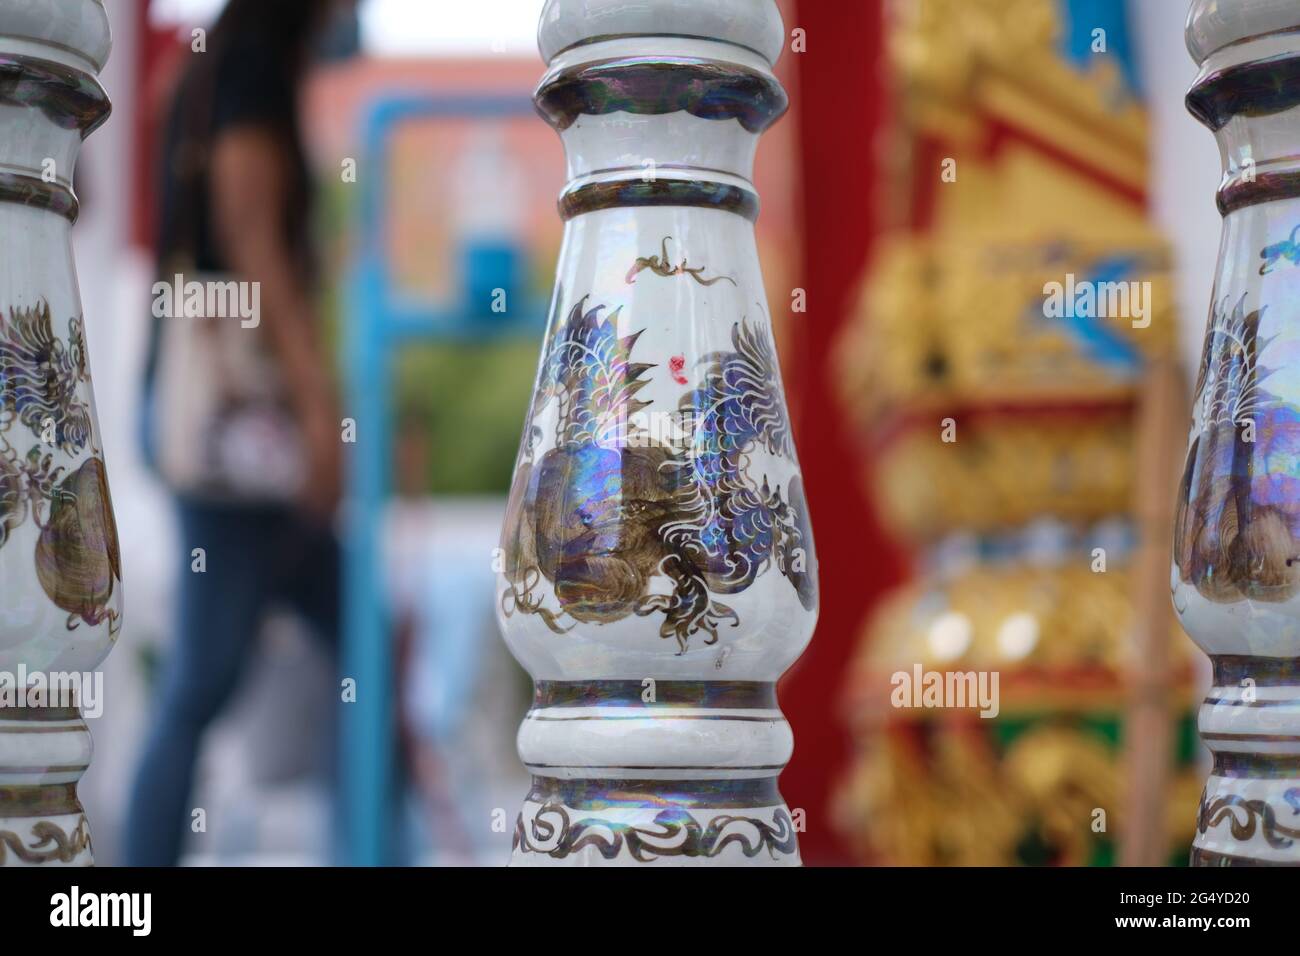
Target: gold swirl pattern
[(1243, 828), (675, 833), (52, 844)]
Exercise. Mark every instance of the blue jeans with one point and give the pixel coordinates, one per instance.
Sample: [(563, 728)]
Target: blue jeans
[(255, 557)]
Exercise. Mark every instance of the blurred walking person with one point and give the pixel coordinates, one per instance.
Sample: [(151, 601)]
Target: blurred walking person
[(242, 417)]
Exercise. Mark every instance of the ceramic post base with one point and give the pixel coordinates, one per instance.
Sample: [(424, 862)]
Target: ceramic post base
[(1250, 810), (688, 778), (590, 822), (43, 753)]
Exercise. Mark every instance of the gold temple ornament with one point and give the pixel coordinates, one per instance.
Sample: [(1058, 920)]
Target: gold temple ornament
[(999, 379)]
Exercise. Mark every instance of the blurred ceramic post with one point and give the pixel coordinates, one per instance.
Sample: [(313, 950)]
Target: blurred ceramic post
[(60, 572), (657, 572), (1236, 567)]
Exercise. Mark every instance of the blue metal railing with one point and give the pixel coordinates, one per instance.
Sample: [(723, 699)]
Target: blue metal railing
[(378, 322)]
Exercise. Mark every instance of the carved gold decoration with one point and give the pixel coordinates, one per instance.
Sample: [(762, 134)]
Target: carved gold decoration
[(989, 415), (1023, 621), (954, 328), (961, 320), (960, 802), (958, 59), (1003, 471)]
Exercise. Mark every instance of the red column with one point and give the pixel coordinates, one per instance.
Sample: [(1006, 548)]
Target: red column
[(839, 109), (158, 52)]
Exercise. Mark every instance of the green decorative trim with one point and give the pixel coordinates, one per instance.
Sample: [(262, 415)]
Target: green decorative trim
[(39, 727), (42, 715), (617, 792), (1249, 704), (653, 86), (722, 695), (71, 99), (1231, 669), (1265, 187), (47, 768), (1259, 88), (1240, 763), (1208, 858), (50, 801), (659, 192), (37, 193)]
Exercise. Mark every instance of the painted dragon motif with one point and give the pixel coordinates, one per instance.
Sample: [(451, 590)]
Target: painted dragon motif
[(612, 505), (1237, 528), (77, 557)]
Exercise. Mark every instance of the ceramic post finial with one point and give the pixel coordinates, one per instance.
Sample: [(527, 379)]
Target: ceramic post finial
[(658, 572), (1236, 555)]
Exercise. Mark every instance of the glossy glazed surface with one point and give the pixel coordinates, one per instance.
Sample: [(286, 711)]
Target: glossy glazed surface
[(1235, 575), (60, 562), (657, 566)]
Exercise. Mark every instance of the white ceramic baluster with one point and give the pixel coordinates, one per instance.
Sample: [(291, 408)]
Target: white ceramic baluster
[(659, 573), (60, 587), (1236, 567)]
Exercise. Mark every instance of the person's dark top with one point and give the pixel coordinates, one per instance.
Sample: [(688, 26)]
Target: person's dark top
[(248, 86)]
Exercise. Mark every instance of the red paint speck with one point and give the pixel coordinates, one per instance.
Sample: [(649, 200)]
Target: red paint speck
[(675, 366)]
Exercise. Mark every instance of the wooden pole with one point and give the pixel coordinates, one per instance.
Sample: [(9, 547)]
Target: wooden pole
[(1148, 731)]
